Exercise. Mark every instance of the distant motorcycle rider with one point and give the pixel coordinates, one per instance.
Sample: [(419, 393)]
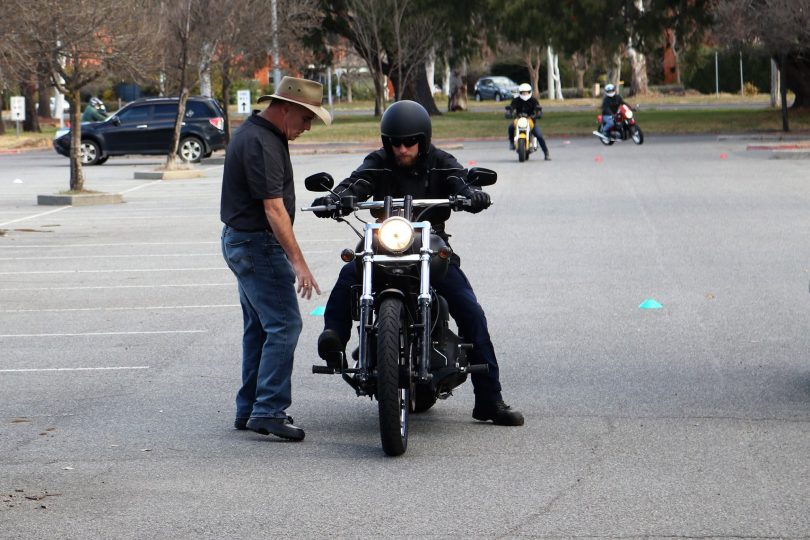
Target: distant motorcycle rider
[(525, 103), (610, 106), (408, 164), (95, 111)]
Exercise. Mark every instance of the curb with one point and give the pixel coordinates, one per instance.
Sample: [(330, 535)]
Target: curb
[(88, 199)]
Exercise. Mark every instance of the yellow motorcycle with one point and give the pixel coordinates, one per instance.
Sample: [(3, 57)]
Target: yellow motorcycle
[(525, 142)]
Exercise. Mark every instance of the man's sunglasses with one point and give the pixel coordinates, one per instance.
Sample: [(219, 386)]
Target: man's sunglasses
[(404, 141)]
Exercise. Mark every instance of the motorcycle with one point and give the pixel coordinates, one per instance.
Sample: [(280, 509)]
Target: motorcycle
[(525, 142), (624, 127), (408, 357)]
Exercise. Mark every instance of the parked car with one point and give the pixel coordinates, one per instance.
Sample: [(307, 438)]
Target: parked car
[(146, 126), (496, 88)]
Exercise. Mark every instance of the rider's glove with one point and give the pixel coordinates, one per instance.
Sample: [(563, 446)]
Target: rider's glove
[(326, 201), (479, 200)]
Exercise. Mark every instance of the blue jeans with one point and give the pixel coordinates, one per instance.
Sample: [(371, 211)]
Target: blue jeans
[(272, 321), (464, 308), (607, 123)]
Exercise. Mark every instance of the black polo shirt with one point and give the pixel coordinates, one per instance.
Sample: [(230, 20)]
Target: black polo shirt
[(257, 167)]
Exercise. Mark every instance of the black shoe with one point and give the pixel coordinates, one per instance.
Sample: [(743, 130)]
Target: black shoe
[(511, 145), (499, 412), (240, 424), (548, 157), (280, 427), (332, 349)]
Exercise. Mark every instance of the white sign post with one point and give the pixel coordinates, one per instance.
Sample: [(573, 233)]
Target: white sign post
[(243, 101), (18, 111)]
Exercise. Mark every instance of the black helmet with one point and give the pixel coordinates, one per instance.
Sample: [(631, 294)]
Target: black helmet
[(406, 119)]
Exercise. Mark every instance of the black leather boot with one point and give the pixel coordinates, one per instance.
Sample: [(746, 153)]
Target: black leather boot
[(499, 412)]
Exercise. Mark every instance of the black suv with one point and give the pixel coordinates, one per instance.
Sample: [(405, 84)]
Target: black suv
[(146, 126)]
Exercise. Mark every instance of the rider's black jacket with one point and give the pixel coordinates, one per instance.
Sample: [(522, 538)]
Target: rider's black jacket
[(611, 104), (436, 175), (530, 107)]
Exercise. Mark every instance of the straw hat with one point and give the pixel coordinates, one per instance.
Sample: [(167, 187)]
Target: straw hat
[(304, 92)]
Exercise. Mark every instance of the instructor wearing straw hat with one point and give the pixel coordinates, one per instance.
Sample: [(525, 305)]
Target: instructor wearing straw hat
[(259, 246)]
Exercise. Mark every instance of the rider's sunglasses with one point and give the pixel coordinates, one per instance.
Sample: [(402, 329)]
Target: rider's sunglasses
[(404, 141)]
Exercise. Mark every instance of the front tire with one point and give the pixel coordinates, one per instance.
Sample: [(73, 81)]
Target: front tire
[(89, 153), (637, 135), (393, 398), (190, 150), (522, 150)]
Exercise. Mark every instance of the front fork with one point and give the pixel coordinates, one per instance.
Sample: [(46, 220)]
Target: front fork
[(367, 305)]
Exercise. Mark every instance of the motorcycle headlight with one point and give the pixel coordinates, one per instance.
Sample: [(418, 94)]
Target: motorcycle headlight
[(628, 114), (523, 123), (396, 234)]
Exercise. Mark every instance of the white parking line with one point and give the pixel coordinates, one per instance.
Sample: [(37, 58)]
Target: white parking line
[(142, 186), (36, 215), (144, 308), (130, 244), (106, 333), (114, 270), (72, 369), (229, 284), (138, 255)]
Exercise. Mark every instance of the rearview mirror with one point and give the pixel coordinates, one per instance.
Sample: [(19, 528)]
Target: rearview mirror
[(481, 177), (115, 120), (321, 181)]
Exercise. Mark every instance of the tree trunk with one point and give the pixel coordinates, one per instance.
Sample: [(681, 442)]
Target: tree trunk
[(31, 122), (639, 85), (76, 173), (419, 91), (379, 94), (226, 98), (532, 54), (580, 66), (796, 76), (783, 92), (44, 95), (171, 159), (457, 98)]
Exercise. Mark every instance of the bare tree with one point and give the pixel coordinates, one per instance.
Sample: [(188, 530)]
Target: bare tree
[(80, 41)]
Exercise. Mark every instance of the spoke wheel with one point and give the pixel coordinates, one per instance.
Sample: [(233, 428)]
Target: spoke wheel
[(191, 149), (393, 397)]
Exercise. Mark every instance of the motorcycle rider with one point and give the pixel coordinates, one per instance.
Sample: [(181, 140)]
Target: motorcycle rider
[(525, 103), (408, 164), (95, 111), (610, 106)]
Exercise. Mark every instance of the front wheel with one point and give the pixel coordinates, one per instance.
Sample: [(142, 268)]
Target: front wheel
[(190, 150), (393, 398), (522, 150), (89, 153), (637, 135)]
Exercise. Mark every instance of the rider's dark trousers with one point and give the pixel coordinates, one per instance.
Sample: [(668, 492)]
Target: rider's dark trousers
[(464, 308)]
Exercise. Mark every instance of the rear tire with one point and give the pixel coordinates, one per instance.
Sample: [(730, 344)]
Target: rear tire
[(637, 135), (606, 142), (422, 399), (497, 97), (522, 150), (190, 150), (477, 96), (394, 400), (89, 153)]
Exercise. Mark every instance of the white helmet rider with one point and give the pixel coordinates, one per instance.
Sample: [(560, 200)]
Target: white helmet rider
[(525, 91), (610, 90)]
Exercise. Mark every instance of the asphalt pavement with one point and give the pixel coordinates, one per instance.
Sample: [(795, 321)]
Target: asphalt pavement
[(120, 336)]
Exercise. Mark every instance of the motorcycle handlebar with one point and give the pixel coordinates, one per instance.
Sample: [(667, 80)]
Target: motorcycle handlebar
[(395, 203)]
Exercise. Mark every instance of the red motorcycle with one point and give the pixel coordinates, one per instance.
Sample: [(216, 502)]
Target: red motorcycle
[(624, 127)]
